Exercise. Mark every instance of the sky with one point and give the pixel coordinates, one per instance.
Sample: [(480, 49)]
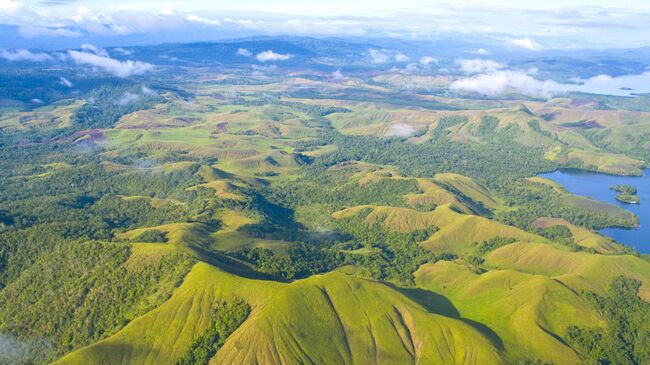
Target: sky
[(547, 24)]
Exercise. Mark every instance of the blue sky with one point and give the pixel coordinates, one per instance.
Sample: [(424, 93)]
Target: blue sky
[(548, 24)]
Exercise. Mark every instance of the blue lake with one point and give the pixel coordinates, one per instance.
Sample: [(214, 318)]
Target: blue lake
[(597, 186)]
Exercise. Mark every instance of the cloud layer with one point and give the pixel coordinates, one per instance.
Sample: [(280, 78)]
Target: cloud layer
[(118, 68), (497, 82), (552, 23), (477, 66), (24, 55)]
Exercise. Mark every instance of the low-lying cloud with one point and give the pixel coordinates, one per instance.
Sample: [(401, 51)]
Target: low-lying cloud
[(122, 51), (270, 56), (30, 32), (337, 76), (498, 81), (400, 130), (478, 66), (118, 68), (24, 55), (527, 43), (427, 60), (202, 20), (401, 57), (243, 52), (127, 98), (379, 56), (65, 82), (92, 49)]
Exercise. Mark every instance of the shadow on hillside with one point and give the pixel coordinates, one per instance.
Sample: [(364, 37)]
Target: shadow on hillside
[(439, 304), (433, 302), (487, 331), (228, 264)]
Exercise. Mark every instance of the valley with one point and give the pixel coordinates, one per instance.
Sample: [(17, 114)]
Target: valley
[(225, 214)]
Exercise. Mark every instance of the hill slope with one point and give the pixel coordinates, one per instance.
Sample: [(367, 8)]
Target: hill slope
[(288, 323)]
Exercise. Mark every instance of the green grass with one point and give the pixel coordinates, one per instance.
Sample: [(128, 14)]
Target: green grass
[(529, 313), (577, 270), (333, 318), (458, 233)]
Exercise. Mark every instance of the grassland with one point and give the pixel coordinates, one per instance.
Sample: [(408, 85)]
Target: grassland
[(577, 270), (529, 313), (457, 233), (416, 257), (401, 332)]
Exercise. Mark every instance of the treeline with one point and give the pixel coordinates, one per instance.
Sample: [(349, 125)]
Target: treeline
[(302, 260), (226, 318), (389, 255), (625, 340), (80, 292), (533, 200), (496, 158)]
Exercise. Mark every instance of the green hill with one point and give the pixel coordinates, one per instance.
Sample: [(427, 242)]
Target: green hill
[(457, 233), (529, 313), (288, 323)]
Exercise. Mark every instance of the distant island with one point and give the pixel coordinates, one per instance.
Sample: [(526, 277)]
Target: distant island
[(626, 194)]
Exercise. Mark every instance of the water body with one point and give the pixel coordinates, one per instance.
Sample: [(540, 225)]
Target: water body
[(626, 85), (597, 186)]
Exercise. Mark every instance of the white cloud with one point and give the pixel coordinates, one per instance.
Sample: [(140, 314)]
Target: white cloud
[(147, 91), (65, 82), (244, 52), (378, 56), (127, 98), (115, 67), (243, 22), (337, 76), (166, 10), (122, 51), (269, 55), (24, 55), (202, 20), (29, 31), (601, 79), (497, 82), (411, 67), (98, 51), (10, 6), (427, 60), (482, 51), (477, 66), (400, 130), (400, 57), (527, 43)]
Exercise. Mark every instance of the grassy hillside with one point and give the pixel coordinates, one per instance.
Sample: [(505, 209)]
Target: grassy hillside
[(529, 313), (457, 233), (578, 270), (392, 329), (232, 213), (582, 236)]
